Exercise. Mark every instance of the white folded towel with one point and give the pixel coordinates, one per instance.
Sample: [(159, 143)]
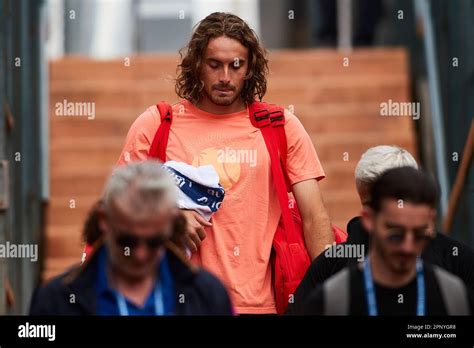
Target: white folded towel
[(199, 187)]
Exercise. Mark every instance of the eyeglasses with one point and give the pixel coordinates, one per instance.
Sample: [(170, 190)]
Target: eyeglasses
[(125, 240), (399, 237)]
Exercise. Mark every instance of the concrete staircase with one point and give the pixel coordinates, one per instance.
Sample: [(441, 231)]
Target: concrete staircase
[(338, 105)]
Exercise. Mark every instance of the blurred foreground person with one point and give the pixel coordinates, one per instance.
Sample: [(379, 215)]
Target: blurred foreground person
[(135, 268), (443, 250), (393, 279)]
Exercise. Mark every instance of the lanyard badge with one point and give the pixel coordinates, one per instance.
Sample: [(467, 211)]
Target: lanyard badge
[(370, 289), (158, 295)]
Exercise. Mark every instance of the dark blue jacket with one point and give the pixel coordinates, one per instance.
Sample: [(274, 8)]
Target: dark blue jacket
[(73, 293)]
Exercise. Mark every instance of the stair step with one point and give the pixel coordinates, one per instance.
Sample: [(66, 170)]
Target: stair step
[(64, 243), (291, 62)]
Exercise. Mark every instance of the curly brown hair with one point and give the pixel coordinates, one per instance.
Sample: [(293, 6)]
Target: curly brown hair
[(188, 83)]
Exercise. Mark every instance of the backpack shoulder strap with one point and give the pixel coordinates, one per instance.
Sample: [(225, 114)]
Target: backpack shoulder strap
[(276, 117), (453, 292), (260, 117), (336, 293), (160, 141)]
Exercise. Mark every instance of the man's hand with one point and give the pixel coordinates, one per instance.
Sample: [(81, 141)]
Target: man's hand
[(195, 229)]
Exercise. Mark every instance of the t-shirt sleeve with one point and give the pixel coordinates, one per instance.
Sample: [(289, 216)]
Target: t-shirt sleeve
[(302, 159), (140, 136)]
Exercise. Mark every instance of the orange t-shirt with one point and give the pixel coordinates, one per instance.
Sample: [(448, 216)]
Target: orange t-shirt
[(238, 245)]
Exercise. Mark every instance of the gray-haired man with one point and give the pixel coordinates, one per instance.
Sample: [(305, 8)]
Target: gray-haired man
[(137, 270)]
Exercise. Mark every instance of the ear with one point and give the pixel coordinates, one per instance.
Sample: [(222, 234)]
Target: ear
[(367, 219)]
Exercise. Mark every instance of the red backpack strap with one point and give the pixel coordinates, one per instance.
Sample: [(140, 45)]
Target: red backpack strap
[(160, 141), (260, 117), (277, 121)]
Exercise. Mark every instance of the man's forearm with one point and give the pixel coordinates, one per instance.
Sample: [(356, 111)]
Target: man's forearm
[(317, 234), (316, 224)]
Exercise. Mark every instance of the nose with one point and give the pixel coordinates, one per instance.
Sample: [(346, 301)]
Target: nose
[(408, 244), (140, 252), (224, 77)]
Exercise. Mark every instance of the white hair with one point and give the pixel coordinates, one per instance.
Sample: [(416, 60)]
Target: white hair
[(378, 159), (145, 185)]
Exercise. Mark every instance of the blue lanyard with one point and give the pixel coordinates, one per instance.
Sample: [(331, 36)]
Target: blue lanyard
[(159, 306), (370, 289)]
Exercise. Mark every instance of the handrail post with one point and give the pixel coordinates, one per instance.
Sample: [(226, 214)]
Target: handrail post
[(344, 24), (435, 102)]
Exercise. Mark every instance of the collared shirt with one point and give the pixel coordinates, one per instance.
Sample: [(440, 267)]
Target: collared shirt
[(107, 297)]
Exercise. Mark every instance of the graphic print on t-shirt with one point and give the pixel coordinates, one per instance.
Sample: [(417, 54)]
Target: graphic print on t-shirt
[(229, 172)]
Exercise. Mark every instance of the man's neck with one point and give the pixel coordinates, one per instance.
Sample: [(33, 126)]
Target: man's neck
[(383, 275), (207, 105), (135, 290)]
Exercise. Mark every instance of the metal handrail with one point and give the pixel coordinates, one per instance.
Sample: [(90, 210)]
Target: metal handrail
[(424, 9), (344, 23)]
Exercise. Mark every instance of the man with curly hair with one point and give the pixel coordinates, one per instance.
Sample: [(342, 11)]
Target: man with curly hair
[(223, 70)]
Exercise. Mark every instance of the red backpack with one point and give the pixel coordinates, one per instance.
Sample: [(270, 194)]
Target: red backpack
[(290, 259)]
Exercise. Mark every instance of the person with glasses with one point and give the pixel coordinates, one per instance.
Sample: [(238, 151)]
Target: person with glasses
[(393, 279), (443, 250), (136, 266)]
